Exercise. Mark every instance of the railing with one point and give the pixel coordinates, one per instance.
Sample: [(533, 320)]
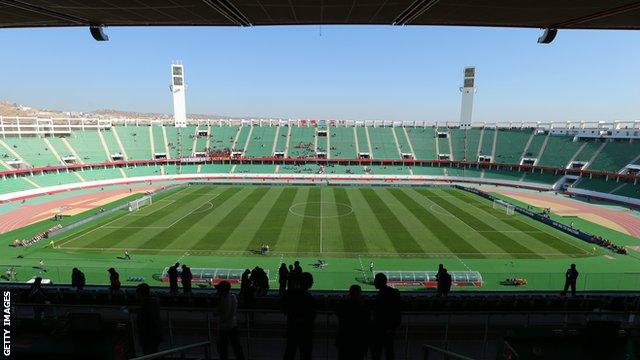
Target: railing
[(206, 345), (446, 353), (262, 331)]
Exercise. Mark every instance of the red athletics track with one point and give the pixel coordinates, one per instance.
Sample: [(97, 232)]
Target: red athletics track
[(30, 213), (616, 219)]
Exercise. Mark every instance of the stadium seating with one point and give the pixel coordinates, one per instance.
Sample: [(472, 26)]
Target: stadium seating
[(510, 145), (133, 142), (33, 150), (383, 143), (423, 141), (261, 144)]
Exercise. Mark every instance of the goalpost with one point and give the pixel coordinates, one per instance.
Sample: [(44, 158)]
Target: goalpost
[(504, 206), (135, 205)]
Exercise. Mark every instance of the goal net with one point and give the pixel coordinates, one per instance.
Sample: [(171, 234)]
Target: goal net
[(137, 204), (504, 206)]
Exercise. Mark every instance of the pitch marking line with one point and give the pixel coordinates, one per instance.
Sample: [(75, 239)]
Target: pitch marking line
[(120, 227)]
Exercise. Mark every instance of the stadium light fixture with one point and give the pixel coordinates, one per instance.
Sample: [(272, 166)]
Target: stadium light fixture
[(97, 31), (548, 36)]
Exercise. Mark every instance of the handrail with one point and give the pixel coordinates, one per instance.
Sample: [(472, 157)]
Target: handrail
[(447, 353), (160, 354)]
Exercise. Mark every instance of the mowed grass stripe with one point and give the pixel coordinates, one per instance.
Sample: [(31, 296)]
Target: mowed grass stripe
[(543, 236), (400, 237), (73, 236), (444, 234), (167, 236), (309, 240), (352, 238), (162, 217), (219, 234), (272, 225), (499, 239)]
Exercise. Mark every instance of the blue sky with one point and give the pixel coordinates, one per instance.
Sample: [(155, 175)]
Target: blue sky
[(391, 73)]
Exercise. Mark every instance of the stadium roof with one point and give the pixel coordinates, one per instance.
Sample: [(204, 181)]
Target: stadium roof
[(555, 14)]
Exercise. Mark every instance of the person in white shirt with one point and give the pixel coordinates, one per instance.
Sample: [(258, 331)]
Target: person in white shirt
[(228, 322)]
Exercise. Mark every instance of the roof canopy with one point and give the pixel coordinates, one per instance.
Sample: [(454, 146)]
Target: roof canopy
[(556, 14)]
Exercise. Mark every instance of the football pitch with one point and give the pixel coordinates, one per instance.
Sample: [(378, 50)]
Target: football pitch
[(325, 221), (399, 229)]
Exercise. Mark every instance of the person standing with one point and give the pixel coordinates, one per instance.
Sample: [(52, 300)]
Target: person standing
[(570, 278), (353, 326), (228, 323), (114, 280), (387, 315), (440, 280), (173, 278), (126, 255), (148, 320), (77, 279), (186, 277), (300, 308), (371, 268), (283, 275)]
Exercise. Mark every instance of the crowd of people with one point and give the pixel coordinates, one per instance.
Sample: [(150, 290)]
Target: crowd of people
[(364, 327), (37, 237), (609, 245)]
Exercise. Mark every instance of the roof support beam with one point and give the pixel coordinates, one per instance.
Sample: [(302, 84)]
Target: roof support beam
[(229, 11), (44, 11), (597, 16), (417, 8)]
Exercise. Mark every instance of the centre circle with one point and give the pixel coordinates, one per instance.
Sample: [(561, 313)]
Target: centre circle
[(322, 210)]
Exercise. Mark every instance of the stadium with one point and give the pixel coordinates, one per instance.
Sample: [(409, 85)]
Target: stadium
[(506, 207)]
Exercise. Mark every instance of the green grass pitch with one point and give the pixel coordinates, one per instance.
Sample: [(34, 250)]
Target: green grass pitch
[(325, 221), (399, 228)]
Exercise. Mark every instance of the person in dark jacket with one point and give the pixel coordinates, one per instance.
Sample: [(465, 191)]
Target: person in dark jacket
[(173, 278), (148, 320), (77, 279), (283, 275), (387, 315), (440, 280), (570, 278), (300, 308), (114, 280), (37, 296), (353, 327), (186, 277)]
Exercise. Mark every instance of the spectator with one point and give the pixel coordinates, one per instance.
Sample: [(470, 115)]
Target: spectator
[(353, 326), (300, 308), (447, 282), (570, 278), (290, 278), (173, 278), (247, 292), (440, 280), (114, 280), (77, 279), (386, 318), (283, 274), (37, 296), (148, 320), (228, 322), (185, 277)]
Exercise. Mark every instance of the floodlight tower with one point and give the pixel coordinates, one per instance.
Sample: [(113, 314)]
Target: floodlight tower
[(468, 89), (178, 89)]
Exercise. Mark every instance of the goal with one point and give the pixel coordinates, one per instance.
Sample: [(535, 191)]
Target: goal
[(137, 204), (504, 206)]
